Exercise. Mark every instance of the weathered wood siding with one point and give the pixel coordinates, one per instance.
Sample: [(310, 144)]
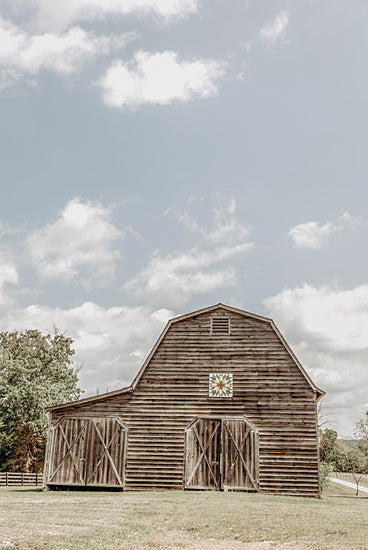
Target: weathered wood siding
[(202, 454), (239, 456), (87, 452), (221, 454), (268, 388)]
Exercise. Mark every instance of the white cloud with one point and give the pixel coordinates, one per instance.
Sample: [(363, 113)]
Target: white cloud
[(314, 235), (226, 227), (275, 29), (59, 15), (311, 234), (6, 230), (111, 343), (79, 246), (173, 278), (327, 328), (24, 54), (160, 78), (8, 275)]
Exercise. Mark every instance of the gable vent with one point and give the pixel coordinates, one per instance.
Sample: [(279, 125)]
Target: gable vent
[(220, 325)]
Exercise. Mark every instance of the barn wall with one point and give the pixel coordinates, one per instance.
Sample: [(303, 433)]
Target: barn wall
[(269, 389)]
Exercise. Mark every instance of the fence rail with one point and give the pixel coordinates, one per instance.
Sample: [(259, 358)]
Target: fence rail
[(349, 477), (20, 478)]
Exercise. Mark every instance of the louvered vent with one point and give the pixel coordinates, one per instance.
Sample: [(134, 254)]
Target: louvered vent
[(220, 325)]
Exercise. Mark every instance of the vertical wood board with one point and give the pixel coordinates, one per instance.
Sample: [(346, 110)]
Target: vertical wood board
[(87, 452)]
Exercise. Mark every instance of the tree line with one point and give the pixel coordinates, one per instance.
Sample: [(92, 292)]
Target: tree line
[(345, 455)]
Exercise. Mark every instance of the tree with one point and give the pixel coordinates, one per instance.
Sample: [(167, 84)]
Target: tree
[(36, 371), (361, 432), (323, 415), (325, 471), (327, 445), (356, 464), (340, 457)]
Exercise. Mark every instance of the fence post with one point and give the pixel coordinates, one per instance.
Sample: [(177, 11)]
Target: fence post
[(6, 479), (37, 480), (22, 478)]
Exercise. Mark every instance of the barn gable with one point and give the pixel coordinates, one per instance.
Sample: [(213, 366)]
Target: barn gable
[(203, 320), (220, 402), (218, 310)]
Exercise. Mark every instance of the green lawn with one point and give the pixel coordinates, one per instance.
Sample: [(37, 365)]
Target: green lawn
[(63, 520)]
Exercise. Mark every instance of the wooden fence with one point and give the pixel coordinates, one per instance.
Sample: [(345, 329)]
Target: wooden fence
[(349, 477), (10, 479)]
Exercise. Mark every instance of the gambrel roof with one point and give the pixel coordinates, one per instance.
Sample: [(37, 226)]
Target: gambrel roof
[(209, 309)]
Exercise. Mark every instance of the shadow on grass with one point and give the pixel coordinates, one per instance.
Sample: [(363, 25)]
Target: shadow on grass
[(78, 489), (63, 488)]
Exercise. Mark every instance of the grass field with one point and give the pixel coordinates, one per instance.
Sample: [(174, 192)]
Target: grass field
[(63, 520)]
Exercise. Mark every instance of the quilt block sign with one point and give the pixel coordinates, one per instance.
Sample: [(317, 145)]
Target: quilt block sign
[(221, 385)]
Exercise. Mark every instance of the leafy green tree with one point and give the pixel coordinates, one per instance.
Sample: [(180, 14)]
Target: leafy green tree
[(361, 432), (36, 371), (356, 464), (325, 471), (340, 458), (327, 445)]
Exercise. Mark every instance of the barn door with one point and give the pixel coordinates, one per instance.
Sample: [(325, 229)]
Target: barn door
[(203, 454), (69, 449), (87, 452), (106, 452), (239, 456), (221, 454)]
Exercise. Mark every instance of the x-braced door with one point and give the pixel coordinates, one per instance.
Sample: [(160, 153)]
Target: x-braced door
[(87, 452), (239, 456), (106, 456), (203, 454), (221, 454)]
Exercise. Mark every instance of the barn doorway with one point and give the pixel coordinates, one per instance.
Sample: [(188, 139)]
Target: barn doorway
[(222, 454), (87, 452)]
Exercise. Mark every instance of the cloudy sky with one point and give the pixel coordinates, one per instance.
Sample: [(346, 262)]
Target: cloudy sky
[(159, 156)]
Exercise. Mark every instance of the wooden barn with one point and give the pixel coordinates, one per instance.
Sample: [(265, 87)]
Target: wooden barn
[(221, 402)]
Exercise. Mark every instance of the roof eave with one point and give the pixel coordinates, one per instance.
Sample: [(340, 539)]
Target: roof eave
[(320, 393), (91, 399)]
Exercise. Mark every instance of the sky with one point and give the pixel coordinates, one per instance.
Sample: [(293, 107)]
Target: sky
[(160, 156)]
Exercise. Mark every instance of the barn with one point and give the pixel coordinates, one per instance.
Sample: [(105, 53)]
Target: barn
[(221, 403)]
